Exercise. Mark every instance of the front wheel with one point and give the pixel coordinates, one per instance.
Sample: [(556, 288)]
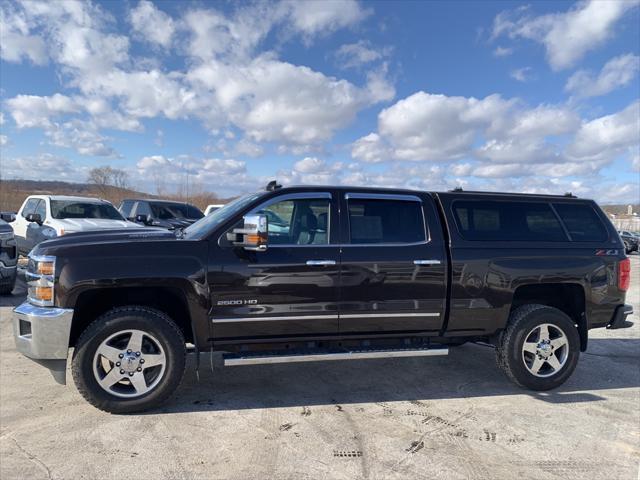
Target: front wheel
[(540, 347), (129, 360)]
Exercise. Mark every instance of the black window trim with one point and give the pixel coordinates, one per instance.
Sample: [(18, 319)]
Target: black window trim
[(385, 196)]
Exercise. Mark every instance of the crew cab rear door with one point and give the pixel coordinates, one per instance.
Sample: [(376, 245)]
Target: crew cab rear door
[(393, 264), (292, 288)]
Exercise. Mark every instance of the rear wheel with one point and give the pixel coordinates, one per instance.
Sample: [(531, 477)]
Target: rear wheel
[(540, 347), (128, 360)]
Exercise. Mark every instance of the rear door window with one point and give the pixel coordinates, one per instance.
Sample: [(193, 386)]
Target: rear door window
[(507, 221), (382, 221), (582, 222)]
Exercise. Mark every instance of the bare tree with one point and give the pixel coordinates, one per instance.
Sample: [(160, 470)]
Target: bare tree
[(108, 181)]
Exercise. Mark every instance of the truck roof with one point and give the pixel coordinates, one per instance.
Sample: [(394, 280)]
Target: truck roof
[(409, 191), (69, 198)]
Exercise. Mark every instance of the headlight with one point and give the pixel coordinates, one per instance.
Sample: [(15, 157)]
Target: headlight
[(40, 279)]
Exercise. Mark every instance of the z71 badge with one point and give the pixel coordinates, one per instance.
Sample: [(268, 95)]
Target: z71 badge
[(222, 303)]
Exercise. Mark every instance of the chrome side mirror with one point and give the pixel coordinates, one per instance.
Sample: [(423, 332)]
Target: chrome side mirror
[(253, 236)]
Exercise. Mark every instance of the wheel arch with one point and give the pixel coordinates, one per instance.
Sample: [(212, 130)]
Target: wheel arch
[(92, 303), (569, 298)]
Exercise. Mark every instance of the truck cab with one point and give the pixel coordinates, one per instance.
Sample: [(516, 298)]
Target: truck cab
[(327, 273)]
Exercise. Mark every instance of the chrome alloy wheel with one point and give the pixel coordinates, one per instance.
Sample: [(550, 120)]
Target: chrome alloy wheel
[(545, 350), (129, 363)]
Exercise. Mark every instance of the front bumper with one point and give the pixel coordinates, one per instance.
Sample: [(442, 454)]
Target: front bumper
[(42, 334), (619, 319)]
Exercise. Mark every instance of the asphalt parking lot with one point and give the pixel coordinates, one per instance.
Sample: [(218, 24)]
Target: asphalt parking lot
[(449, 417)]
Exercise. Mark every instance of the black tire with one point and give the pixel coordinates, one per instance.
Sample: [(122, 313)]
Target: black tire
[(7, 288), (119, 319), (509, 350)]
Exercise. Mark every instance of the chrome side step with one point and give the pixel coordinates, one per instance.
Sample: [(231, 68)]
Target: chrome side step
[(255, 359)]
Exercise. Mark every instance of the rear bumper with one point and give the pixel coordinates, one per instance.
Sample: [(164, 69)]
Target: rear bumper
[(42, 334), (619, 319)]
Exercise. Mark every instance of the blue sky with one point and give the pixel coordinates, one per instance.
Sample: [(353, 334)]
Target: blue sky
[(540, 97)]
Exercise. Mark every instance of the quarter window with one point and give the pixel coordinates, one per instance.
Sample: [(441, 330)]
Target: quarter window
[(378, 221), (582, 222)]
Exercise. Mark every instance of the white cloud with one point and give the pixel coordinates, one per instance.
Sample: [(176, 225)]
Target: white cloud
[(35, 111), (521, 74), (617, 72), (4, 140), (309, 165), (502, 51), (277, 101), (608, 136), (323, 17), (152, 24), (432, 127), (32, 168), (353, 55), (16, 39), (566, 36)]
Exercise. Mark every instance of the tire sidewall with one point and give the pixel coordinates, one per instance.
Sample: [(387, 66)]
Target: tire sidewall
[(172, 344), (524, 327)]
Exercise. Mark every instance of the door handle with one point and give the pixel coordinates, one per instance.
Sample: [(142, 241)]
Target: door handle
[(316, 263), (427, 262)]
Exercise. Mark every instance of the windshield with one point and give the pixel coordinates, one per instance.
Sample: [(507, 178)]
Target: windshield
[(167, 211), (62, 209), (209, 223)]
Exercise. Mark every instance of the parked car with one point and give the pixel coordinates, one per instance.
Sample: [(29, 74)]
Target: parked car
[(8, 257), (630, 240), (212, 208), (160, 213), (396, 273), (42, 217)]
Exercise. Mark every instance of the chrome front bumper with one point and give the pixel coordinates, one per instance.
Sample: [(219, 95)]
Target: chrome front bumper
[(42, 334)]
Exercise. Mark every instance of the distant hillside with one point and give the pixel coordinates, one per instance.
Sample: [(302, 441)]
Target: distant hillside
[(13, 193)]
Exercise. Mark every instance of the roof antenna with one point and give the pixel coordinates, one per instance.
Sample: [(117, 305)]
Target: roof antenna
[(273, 185)]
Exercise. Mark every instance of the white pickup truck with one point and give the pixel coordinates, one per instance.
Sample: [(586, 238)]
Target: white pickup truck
[(46, 216)]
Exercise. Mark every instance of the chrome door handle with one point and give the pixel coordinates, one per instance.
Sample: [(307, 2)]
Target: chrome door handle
[(427, 262), (316, 263)]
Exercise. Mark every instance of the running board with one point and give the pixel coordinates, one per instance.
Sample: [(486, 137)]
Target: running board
[(288, 357)]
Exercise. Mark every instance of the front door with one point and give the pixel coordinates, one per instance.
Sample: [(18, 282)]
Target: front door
[(393, 265), (291, 289)]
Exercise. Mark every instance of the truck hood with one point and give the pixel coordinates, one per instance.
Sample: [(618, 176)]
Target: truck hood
[(86, 224), (123, 236)]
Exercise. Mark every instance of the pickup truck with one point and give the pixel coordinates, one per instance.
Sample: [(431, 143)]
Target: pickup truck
[(160, 213), (353, 273), (8, 256), (42, 217)]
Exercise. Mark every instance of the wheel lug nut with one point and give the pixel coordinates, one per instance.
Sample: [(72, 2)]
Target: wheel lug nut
[(131, 374), (142, 360), (117, 364), (120, 356), (137, 354), (121, 372), (139, 369), (129, 350)]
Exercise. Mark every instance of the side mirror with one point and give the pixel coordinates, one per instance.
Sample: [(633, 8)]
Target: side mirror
[(35, 218), (142, 219), (8, 216), (253, 235)]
